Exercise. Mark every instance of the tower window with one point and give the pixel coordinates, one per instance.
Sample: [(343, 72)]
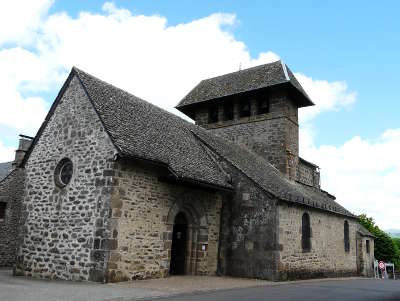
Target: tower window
[(213, 114), (367, 246), (306, 233), (3, 207), (263, 105), (346, 237), (245, 108), (228, 111)]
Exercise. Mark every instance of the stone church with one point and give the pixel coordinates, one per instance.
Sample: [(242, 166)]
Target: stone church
[(113, 188)]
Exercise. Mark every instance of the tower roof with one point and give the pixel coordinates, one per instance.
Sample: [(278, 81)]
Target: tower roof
[(255, 78)]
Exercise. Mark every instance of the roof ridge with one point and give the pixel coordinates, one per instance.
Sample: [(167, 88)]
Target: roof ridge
[(241, 71), (285, 72)]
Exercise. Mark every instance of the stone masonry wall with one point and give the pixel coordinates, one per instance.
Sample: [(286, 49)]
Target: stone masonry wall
[(274, 135), (365, 260), (60, 237), (369, 257), (249, 245), (327, 256), (11, 191), (308, 175), (143, 210)]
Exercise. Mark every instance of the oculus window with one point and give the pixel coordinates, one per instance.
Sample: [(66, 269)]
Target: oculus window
[(63, 172)]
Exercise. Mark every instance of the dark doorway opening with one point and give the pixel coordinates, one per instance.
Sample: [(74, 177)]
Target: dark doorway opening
[(179, 242)]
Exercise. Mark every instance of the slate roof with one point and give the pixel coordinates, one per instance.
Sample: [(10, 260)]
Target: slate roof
[(268, 177), (263, 76), (139, 129), (5, 169), (142, 130), (363, 231)]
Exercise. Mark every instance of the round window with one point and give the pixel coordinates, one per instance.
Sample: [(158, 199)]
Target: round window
[(63, 172)]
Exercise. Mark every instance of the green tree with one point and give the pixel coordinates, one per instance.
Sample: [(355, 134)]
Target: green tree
[(386, 248), (397, 241)]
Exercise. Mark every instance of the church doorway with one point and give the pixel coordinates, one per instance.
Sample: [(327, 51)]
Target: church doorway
[(179, 245)]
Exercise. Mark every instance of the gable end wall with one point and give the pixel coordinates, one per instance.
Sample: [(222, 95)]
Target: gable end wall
[(65, 230)]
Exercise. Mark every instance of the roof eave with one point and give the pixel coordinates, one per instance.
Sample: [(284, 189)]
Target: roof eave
[(205, 184), (175, 175), (352, 216), (302, 100), (366, 235)]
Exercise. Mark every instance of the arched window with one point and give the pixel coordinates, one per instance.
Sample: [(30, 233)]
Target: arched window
[(346, 237), (305, 233)]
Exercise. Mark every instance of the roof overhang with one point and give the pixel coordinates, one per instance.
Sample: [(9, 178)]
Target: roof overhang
[(172, 176), (299, 97)]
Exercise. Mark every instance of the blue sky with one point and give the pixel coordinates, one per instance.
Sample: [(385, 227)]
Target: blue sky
[(345, 54), (356, 41)]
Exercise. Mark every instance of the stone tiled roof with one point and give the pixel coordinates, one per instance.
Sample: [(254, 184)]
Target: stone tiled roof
[(142, 130), (139, 129), (5, 169), (258, 77), (268, 177), (363, 231)]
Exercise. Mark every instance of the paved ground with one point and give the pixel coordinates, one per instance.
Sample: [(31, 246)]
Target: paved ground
[(198, 288), (20, 288), (335, 290)]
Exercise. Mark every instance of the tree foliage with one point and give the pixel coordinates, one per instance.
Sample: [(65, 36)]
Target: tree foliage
[(386, 248), (397, 241)]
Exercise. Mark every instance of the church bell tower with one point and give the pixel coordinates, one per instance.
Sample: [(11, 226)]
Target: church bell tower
[(255, 107)]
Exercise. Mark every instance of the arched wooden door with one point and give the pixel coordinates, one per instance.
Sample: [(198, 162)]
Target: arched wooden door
[(179, 245)]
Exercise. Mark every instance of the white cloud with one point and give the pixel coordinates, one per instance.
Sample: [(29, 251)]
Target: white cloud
[(21, 69), (145, 56), (138, 53), (161, 63), (7, 153), (20, 20), (327, 96), (363, 174)]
